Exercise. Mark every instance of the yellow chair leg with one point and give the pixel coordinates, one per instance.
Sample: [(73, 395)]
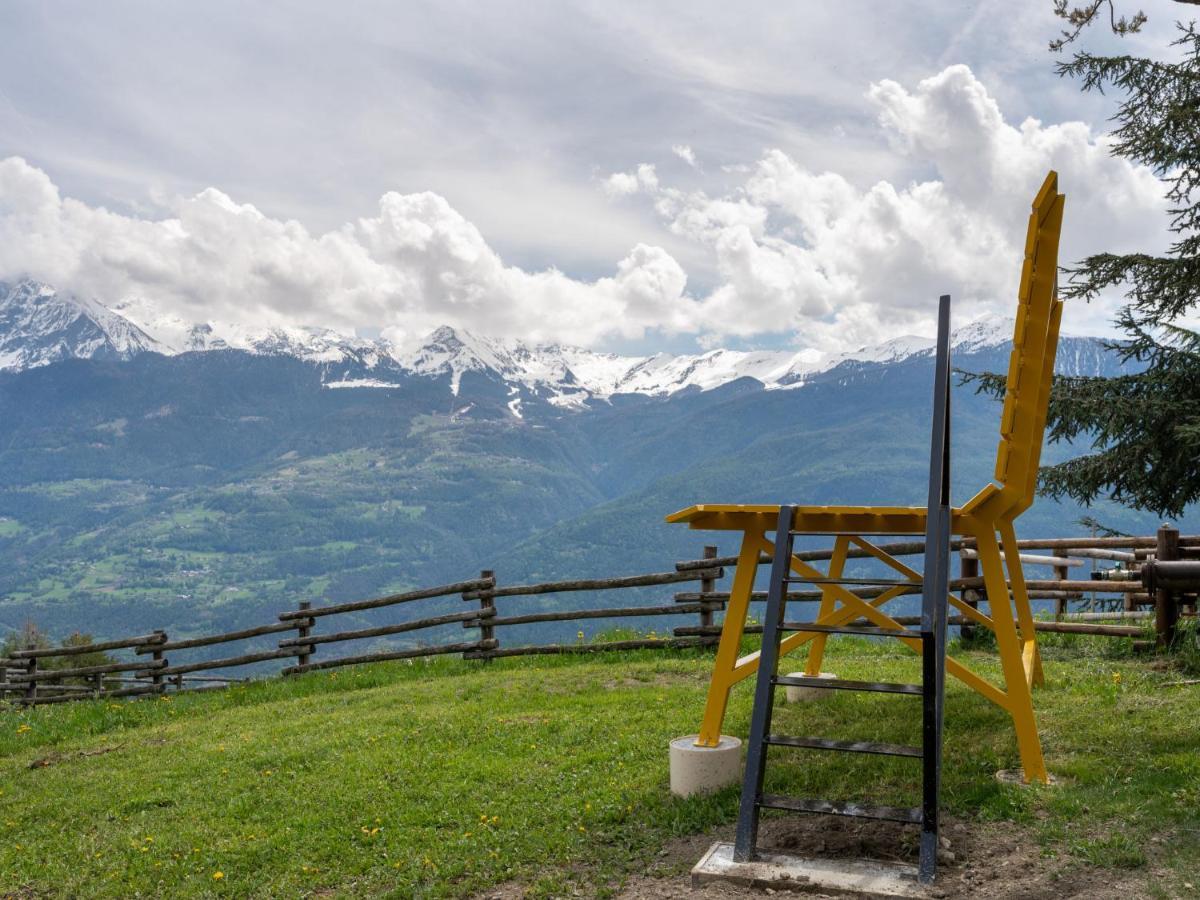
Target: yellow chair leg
[(816, 648), (729, 648), (1031, 655), (1019, 696)]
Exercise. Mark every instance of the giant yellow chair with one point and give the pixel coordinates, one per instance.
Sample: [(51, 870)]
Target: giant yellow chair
[(987, 517)]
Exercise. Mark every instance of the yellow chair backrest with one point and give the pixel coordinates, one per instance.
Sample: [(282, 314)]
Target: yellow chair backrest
[(1031, 366)]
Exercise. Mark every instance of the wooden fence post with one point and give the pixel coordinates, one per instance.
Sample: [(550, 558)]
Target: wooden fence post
[(31, 666), (1062, 574), (1130, 601), (1166, 607), (487, 601), (707, 586), (968, 567), (160, 686), (303, 628)]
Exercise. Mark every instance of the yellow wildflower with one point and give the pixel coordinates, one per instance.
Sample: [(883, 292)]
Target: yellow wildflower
[(217, 876)]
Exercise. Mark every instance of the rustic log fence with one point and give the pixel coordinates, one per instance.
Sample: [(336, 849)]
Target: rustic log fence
[(1160, 571)]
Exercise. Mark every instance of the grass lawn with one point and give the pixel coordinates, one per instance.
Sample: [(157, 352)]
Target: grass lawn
[(443, 779)]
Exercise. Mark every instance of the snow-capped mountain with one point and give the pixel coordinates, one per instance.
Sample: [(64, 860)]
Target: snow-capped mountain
[(176, 335), (39, 326)]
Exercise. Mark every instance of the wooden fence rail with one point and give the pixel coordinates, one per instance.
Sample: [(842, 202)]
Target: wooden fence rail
[(36, 675)]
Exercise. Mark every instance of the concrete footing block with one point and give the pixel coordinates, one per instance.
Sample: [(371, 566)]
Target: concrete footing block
[(702, 770), (782, 872), (1016, 777), (806, 694)]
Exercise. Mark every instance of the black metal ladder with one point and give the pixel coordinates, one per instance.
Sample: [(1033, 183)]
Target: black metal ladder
[(931, 633)]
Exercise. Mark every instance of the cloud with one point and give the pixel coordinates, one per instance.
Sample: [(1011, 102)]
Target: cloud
[(843, 265), (684, 152), (415, 265), (814, 257), (623, 184)]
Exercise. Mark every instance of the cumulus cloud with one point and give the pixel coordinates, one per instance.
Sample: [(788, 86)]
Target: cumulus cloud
[(842, 265), (622, 184), (823, 257), (684, 152), (415, 265)]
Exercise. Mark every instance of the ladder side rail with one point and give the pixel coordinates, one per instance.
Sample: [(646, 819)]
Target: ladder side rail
[(760, 721), (939, 459), (934, 600)]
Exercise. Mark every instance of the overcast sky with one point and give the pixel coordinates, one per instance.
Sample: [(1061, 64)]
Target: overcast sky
[(624, 175)]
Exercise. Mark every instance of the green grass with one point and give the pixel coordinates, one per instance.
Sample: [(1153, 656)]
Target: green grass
[(443, 779)]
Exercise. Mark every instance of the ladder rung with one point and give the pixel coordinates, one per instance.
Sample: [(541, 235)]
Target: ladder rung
[(868, 630), (908, 814), (814, 743), (842, 684), (862, 581)]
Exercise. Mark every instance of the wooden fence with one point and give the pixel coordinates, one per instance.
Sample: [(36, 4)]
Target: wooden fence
[(157, 664)]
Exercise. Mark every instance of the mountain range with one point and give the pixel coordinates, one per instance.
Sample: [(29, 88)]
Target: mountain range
[(201, 476), (41, 326)]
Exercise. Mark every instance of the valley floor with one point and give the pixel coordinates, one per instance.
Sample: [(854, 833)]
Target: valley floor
[(548, 777)]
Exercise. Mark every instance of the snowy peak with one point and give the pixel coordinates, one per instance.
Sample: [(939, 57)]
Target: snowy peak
[(542, 368), (39, 326), (176, 335), (990, 331)]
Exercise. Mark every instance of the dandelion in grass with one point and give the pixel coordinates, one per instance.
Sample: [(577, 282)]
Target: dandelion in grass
[(23, 728), (217, 876), (1116, 677)]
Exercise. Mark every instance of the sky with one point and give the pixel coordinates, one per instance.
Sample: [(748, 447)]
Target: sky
[(626, 176)]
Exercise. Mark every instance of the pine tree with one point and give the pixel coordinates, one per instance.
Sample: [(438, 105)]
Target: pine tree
[(1144, 428)]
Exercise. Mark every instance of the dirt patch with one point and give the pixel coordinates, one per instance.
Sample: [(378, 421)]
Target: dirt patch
[(55, 758), (981, 862), (659, 679)]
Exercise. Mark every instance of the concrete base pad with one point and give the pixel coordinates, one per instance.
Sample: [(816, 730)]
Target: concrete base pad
[(778, 871), (1017, 777), (807, 694), (702, 770)]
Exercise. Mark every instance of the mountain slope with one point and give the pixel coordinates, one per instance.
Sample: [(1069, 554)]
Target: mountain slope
[(159, 486), (207, 489)]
